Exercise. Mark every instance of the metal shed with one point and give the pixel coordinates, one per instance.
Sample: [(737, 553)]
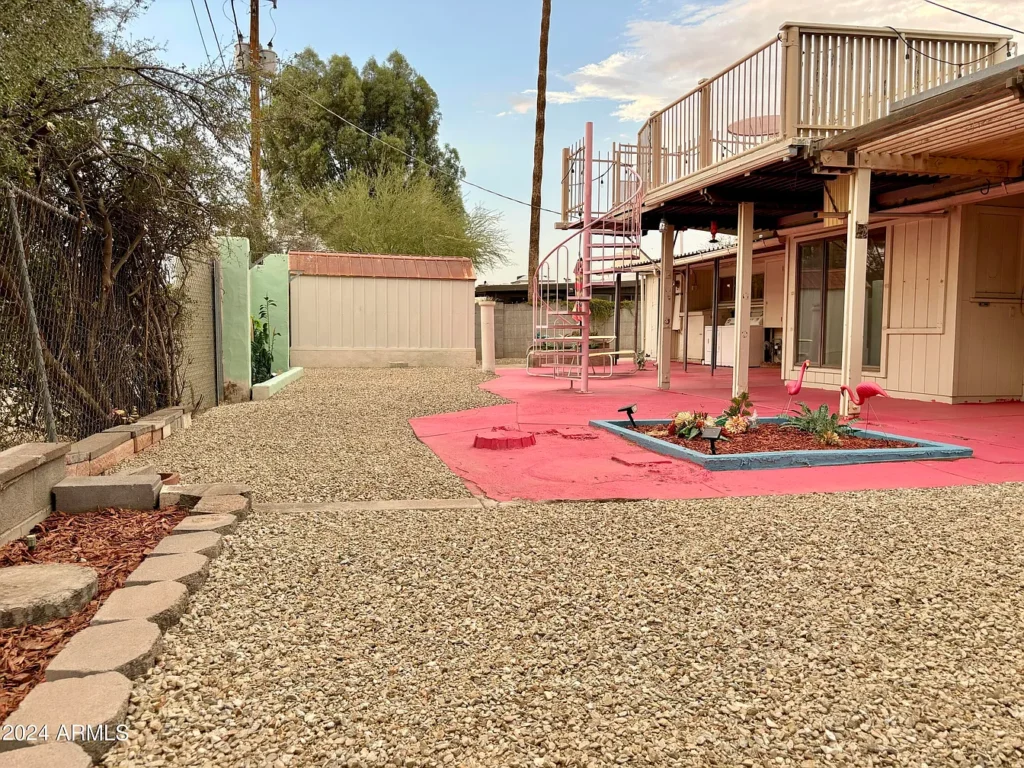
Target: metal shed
[(374, 310)]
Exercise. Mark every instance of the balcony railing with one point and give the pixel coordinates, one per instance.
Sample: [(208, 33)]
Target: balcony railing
[(809, 81), (612, 183)]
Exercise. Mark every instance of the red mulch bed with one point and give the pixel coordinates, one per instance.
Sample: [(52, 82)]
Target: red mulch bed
[(770, 438), (113, 543)]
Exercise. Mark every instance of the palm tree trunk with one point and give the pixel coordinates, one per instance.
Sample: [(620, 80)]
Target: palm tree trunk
[(538, 144)]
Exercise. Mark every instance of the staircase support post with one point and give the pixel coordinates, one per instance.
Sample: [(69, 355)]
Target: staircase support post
[(588, 217)]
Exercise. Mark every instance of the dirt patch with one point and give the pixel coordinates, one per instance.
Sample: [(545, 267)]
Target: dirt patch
[(770, 438), (112, 543)]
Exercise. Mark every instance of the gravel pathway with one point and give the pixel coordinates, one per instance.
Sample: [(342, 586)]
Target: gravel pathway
[(334, 435), (861, 629)]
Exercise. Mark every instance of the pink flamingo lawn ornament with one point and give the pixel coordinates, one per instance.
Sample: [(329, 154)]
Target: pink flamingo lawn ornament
[(863, 392), (793, 387)]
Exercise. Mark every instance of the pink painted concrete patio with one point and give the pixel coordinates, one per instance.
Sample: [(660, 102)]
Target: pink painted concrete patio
[(579, 464)]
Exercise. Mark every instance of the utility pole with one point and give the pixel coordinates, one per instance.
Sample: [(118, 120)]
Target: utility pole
[(254, 98)]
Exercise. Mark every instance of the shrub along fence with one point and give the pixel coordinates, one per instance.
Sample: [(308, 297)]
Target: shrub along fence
[(78, 356)]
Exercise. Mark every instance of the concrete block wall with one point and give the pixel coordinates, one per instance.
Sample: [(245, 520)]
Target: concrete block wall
[(513, 330), (199, 368), (27, 473)]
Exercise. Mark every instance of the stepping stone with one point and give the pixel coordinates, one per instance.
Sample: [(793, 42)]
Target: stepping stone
[(85, 710), (202, 543), (162, 602), (188, 569), (238, 506), (88, 494), (216, 523), (55, 754), (36, 594), (128, 647)]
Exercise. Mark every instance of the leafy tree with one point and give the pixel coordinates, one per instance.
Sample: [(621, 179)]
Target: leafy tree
[(389, 212), (307, 147), (145, 155)]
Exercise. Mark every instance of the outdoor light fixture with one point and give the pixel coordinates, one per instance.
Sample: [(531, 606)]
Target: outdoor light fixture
[(711, 434), (662, 225), (629, 410), (714, 232)]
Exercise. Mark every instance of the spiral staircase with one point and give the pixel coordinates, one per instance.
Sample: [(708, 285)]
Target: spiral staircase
[(602, 199)]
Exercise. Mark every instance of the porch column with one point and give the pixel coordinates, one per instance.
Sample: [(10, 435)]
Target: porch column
[(744, 270), (667, 301), (856, 274)]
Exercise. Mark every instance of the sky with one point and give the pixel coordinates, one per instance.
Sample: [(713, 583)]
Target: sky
[(609, 61)]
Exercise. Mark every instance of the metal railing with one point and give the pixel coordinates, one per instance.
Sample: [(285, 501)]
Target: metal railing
[(809, 81)]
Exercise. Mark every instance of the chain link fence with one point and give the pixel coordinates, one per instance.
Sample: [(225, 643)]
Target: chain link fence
[(89, 339)]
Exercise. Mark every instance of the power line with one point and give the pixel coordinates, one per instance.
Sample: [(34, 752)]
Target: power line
[(958, 64), (234, 16), (438, 169), (216, 37), (200, 28), (970, 16)]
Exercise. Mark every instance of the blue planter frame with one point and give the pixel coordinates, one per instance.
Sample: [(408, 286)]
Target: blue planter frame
[(921, 450)]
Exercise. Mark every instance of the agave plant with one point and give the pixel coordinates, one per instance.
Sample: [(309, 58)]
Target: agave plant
[(828, 427)]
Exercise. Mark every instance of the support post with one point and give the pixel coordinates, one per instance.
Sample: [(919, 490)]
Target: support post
[(254, 101), (714, 314), (587, 235), (667, 295), (33, 322), (617, 323), (856, 274), (487, 335), (744, 278), (686, 318)]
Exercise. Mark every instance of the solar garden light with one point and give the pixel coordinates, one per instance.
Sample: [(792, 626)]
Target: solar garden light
[(629, 410), (711, 434)]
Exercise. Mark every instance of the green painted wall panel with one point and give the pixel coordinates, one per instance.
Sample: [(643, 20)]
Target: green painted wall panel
[(270, 278)]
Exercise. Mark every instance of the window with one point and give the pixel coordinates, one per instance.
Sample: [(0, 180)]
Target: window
[(821, 294)]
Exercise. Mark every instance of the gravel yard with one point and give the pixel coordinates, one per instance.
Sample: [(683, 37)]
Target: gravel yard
[(334, 435), (860, 629)]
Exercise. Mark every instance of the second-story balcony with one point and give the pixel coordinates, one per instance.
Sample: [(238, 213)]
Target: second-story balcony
[(808, 82)]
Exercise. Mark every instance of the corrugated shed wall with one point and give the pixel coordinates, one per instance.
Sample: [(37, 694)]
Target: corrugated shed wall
[(352, 314)]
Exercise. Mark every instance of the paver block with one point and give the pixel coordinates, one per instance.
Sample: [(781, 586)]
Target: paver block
[(182, 495), (189, 569), (128, 647), (36, 594), (239, 506), (201, 543), (134, 430), (228, 489), (162, 602), (100, 464), (143, 441), (54, 754), (16, 461), (85, 710), (206, 522), (86, 494), (95, 446)]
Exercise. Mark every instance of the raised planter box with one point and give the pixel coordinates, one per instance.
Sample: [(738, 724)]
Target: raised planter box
[(921, 450), (267, 389)]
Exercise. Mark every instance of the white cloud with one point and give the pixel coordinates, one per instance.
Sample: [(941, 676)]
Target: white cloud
[(664, 59)]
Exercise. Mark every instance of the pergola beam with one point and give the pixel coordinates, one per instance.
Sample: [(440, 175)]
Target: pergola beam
[(831, 159)]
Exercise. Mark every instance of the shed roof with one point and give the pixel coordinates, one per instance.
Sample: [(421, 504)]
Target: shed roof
[(381, 265)]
